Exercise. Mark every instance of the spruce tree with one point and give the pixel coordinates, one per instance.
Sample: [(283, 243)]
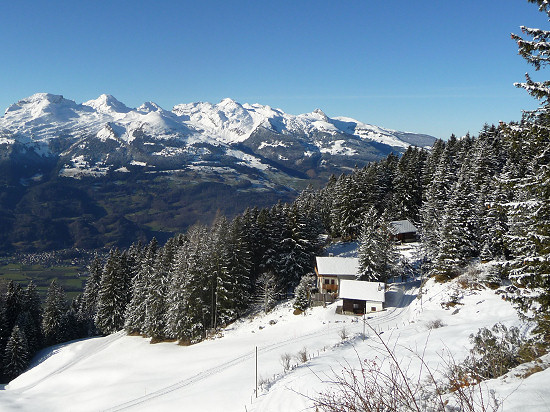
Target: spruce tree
[(156, 300), (536, 52), (14, 303), (91, 293), (266, 291), (188, 310), (371, 259), (302, 293), (54, 310), (114, 293), (16, 354), (239, 263), (529, 214), (141, 283), (179, 319), (32, 306)]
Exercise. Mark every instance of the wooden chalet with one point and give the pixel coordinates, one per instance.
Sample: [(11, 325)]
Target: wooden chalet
[(360, 297), (332, 270), (403, 230)]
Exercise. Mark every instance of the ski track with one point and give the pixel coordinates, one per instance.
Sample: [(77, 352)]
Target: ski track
[(106, 342), (390, 315)]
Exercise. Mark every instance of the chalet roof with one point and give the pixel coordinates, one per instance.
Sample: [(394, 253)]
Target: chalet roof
[(361, 290), (337, 265), (402, 226)]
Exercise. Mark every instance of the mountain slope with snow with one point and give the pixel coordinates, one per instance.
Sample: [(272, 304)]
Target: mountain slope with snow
[(120, 372), (149, 171), (43, 117), (104, 134)]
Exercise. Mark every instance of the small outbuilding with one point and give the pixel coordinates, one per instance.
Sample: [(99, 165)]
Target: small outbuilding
[(403, 230), (359, 297)]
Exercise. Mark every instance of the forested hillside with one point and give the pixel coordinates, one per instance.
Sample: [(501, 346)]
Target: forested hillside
[(475, 198)]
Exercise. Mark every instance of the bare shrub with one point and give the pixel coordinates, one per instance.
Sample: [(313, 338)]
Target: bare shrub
[(495, 351), (264, 382), (435, 324), (343, 333), (454, 300), (302, 355), (385, 384), (285, 361)]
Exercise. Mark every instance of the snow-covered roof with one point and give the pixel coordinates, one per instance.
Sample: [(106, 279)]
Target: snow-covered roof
[(361, 290), (337, 265), (402, 226)]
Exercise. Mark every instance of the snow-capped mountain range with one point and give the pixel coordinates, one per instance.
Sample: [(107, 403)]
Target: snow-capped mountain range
[(104, 134), (100, 173)]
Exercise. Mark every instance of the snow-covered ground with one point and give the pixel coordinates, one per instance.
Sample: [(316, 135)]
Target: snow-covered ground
[(120, 372)]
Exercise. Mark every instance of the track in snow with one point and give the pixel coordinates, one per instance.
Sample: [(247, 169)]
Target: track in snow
[(106, 342), (389, 315)]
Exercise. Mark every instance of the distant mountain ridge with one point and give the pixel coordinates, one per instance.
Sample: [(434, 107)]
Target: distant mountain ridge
[(246, 150), (42, 117)]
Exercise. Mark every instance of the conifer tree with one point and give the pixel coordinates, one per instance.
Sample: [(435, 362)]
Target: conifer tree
[(156, 300), (32, 314), (239, 261), (16, 354), (537, 53), (14, 303), (188, 313), (114, 293), (54, 310), (266, 291), (529, 214), (179, 319), (303, 292), (528, 237), (141, 283), (407, 184), (371, 261), (91, 293)]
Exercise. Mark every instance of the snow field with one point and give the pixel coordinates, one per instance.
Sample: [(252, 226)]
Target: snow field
[(120, 372)]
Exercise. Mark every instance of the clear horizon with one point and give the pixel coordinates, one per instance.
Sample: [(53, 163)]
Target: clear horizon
[(428, 67)]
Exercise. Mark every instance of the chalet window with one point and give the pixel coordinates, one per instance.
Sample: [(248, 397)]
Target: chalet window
[(327, 281), (356, 306), (332, 281), (373, 309)]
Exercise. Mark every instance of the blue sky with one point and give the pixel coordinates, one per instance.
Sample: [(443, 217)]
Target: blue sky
[(433, 67)]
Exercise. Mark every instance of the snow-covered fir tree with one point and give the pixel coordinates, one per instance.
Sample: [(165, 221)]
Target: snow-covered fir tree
[(377, 258), (30, 318), (141, 283), (16, 354), (114, 293), (266, 291), (91, 293), (55, 308), (179, 319), (157, 292), (302, 292)]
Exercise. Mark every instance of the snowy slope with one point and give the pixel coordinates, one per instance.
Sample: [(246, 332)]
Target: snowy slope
[(121, 372)]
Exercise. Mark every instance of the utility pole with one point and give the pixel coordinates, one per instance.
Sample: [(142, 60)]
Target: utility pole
[(256, 371), (421, 283), (364, 322)]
